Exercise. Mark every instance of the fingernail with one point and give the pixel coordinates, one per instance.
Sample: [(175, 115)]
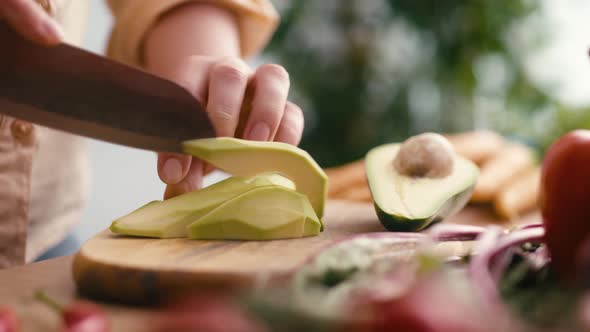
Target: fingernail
[(172, 171), (51, 31), (260, 132)]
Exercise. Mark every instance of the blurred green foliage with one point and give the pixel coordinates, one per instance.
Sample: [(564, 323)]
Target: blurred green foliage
[(373, 71)]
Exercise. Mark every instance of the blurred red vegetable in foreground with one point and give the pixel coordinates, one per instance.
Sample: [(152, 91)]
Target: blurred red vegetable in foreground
[(207, 312), (8, 320), (437, 302), (79, 316)]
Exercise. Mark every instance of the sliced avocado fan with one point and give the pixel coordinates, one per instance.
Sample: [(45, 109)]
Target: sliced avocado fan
[(266, 213), (248, 158), (289, 206), (169, 218)]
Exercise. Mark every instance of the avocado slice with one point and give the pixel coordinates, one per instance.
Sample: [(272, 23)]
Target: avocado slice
[(406, 203), (169, 218), (267, 213), (248, 158)]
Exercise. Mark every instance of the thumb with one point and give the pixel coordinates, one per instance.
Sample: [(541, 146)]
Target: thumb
[(172, 168)]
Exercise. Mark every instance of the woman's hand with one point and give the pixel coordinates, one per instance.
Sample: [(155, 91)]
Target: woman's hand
[(241, 102), (197, 45), (31, 20)]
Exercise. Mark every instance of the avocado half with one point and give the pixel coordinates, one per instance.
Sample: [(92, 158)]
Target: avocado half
[(405, 203)]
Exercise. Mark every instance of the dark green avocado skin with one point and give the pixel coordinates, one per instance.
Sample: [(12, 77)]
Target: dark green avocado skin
[(397, 223)]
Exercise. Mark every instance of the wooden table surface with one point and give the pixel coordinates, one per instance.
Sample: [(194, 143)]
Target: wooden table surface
[(18, 285)]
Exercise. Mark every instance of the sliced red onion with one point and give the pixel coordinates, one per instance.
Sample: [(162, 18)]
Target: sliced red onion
[(489, 248), (455, 232), (531, 225), (539, 258), (485, 244)]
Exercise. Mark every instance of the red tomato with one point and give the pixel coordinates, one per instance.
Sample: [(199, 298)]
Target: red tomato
[(84, 316), (8, 321), (565, 199), (79, 316)]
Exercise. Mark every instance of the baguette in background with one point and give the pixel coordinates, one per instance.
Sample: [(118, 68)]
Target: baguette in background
[(497, 172), (345, 177), (477, 146), (519, 196), (357, 194)]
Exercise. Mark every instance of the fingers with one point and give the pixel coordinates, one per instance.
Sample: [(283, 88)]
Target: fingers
[(227, 86), (291, 126), (192, 181), (271, 87), (235, 100), (31, 21), (223, 85), (172, 167), (219, 85)]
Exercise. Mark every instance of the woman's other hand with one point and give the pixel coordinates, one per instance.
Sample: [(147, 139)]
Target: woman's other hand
[(31, 19)]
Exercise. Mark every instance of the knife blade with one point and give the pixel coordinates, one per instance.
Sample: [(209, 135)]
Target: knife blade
[(69, 89)]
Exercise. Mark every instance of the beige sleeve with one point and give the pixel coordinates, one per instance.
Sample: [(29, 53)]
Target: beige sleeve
[(18, 142), (257, 20)]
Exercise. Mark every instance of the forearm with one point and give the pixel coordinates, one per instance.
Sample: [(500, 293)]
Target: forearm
[(191, 29)]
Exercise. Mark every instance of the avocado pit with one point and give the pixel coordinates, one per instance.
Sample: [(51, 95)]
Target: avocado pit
[(427, 155)]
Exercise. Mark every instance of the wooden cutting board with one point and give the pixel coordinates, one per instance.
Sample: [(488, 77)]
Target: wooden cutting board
[(141, 270)]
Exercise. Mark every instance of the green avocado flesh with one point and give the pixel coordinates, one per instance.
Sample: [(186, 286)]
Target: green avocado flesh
[(266, 213), (406, 203), (248, 158), (251, 205), (169, 218)]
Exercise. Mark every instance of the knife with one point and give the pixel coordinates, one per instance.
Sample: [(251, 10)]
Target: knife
[(69, 89)]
